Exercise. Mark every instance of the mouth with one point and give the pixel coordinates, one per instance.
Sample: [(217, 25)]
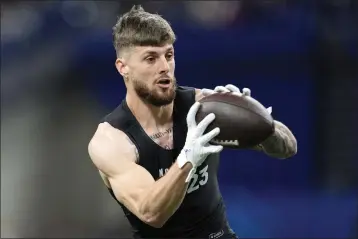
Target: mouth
[(164, 83)]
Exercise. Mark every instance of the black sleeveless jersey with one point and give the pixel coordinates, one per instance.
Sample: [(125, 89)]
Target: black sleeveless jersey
[(202, 213)]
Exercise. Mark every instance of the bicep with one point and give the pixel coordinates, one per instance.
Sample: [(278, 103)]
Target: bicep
[(130, 187), (115, 157)]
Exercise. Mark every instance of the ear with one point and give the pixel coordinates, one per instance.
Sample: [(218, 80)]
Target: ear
[(122, 67)]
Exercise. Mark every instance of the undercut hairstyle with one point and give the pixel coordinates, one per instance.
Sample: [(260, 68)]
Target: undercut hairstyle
[(140, 28)]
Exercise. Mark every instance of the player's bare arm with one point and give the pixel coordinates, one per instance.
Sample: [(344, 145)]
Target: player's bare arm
[(282, 144), (199, 94), (154, 202)]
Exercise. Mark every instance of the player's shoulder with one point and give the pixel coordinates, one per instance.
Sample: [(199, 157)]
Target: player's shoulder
[(182, 89), (110, 147), (106, 133), (185, 95), (117, 117)]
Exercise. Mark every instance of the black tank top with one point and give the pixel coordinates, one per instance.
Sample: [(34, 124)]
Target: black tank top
[(202, 212)]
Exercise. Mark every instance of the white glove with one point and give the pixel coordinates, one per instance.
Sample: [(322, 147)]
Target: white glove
[(197, 146), (233, 89)]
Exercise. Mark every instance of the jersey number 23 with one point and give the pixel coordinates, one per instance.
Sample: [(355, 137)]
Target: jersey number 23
[(199, 179)]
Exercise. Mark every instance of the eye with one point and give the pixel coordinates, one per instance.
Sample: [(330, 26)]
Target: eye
[(170, 55), (150, 59)]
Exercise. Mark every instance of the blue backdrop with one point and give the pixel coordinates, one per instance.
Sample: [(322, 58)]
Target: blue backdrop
[(271, 55)]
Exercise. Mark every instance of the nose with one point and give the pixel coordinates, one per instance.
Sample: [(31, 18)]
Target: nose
[(164, 65)]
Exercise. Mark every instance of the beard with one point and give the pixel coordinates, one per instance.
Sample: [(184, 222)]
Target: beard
[(156, 97)]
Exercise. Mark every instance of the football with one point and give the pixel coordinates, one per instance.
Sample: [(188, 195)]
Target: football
[(243, 121)]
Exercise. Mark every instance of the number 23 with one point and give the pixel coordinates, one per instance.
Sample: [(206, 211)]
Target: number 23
[(204, 176)]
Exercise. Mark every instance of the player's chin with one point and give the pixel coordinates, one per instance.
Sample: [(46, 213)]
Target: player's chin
[(166, 92), (161, 101), (165, 97)]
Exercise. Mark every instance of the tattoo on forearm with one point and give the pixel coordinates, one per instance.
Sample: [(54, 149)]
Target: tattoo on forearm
[(161, 134), (282, 144)]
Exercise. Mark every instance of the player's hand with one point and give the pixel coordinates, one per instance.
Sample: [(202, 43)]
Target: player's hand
[(197, 146), (228, 88), (232, 89)]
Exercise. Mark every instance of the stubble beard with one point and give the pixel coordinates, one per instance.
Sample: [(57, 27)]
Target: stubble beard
[(156, 96)]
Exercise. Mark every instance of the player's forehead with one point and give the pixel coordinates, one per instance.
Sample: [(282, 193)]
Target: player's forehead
[(143, 50)]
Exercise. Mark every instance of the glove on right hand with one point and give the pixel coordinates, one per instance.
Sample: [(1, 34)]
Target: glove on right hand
[(197, 147)]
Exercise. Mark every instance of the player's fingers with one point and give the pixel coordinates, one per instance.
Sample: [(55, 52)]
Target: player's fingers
[(237, 93), (205, 139), (269, 110), (221, 89), (246, 91), (205, 123), (232, 88), (212, 149), (190, 118)]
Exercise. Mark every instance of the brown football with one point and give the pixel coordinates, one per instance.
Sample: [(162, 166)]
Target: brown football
[(243, 121)]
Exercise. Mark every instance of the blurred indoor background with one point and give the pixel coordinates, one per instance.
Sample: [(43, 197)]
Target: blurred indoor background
[(58, 79)]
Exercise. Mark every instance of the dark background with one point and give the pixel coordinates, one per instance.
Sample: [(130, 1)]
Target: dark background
[(58, 79)]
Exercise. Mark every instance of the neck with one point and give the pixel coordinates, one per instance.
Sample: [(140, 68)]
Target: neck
[(149, 115)]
